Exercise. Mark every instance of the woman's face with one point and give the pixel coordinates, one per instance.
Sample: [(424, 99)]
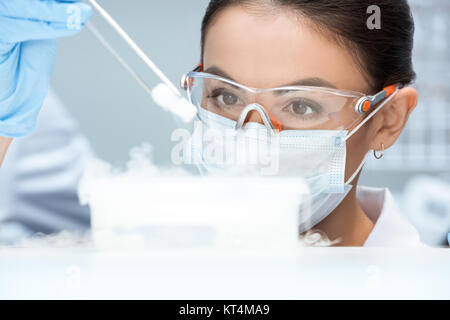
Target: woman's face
[(267, 49)]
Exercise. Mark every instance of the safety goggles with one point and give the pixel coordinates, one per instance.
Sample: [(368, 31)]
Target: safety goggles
[(287, 108)]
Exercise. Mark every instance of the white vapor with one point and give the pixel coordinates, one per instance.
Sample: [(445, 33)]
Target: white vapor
[(143, 207)]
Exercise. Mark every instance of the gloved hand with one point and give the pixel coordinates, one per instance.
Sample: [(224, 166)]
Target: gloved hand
[(28, 32)]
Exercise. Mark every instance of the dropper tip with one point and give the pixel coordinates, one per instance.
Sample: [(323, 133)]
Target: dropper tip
[(173, 102)]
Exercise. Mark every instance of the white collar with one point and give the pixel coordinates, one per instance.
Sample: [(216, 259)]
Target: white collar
[(391, 228)]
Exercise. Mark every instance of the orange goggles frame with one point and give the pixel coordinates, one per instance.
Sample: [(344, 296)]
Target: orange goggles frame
[(363, 105)]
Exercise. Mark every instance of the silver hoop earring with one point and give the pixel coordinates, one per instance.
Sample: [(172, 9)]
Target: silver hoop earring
[(380, 154)]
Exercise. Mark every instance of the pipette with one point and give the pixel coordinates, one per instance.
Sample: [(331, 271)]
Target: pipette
[(165, 94)]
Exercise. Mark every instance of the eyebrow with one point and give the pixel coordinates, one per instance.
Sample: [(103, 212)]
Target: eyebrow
[(310, 82), (219, 72)]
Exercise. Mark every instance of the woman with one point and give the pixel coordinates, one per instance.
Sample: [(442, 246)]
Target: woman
[(344, 76)]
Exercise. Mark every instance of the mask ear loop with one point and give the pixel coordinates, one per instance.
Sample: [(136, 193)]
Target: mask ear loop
[(363, 162), (361, 165)]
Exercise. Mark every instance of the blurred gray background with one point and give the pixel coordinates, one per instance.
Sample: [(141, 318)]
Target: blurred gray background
[(116, 114), (112, 110)]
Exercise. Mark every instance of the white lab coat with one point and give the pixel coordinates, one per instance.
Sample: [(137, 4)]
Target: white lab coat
[(391, 229), (39, 177), (40, 174)]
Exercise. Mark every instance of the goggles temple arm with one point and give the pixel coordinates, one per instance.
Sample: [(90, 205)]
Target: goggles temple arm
[(390, 96), (367, 103), (185, 82)]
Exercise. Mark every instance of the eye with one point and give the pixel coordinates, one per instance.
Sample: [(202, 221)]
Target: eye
[(300, 108), (303, 108), (228, 98), (225, 98)]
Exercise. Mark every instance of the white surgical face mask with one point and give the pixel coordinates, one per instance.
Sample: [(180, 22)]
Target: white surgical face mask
[(317, 156)]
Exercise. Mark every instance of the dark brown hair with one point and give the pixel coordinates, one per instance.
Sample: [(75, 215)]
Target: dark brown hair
[(384, 55)]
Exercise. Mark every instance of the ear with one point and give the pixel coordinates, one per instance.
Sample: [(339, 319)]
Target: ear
[(393, 117)]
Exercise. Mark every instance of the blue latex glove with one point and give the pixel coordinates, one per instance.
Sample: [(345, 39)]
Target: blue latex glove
[(28, 32)]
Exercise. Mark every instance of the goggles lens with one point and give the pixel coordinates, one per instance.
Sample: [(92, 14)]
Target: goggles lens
[(297, 108)]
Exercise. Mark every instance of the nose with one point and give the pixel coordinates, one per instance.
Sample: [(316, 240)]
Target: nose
[(257, 113), (254, 116)]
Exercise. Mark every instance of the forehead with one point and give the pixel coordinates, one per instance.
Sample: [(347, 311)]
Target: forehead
[(270, 48)]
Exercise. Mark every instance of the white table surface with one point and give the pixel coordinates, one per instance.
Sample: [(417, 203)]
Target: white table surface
[(347, 273)]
